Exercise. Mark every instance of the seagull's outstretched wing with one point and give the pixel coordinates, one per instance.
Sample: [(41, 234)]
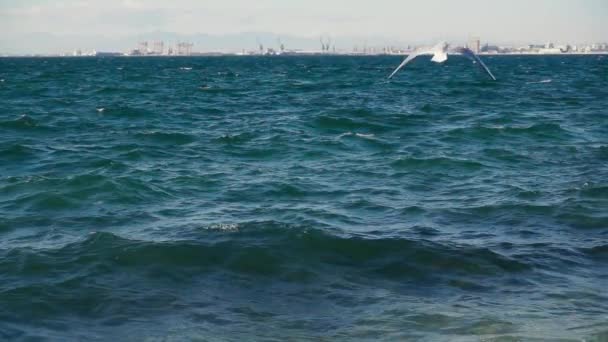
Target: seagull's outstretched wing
[(470, 54), (410, 57)]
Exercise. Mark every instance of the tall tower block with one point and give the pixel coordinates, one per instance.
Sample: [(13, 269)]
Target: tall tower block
[(474, 44)]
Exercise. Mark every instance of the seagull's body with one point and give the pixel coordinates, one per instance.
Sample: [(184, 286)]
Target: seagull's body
[(440, 54)]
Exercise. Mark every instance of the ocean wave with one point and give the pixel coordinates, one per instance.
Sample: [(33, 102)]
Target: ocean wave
[(365, 141), (596, 192), (548, 80), (434, 108), (234, 139), (602, 152), (347, 124), (544, 130), (599, 252), (360, 135), (506, 155), (166, 137), (583, 219), (106, 276), (504, 208), (118, 90), (220, 90), (438, 163), (269, 249), (45, 194), (23, 122), (15, 152), (126, 111)]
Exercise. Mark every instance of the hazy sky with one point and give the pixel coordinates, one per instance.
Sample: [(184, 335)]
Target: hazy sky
[(406, 20)]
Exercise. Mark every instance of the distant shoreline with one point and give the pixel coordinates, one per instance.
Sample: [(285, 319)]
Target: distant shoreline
[(303, 54)]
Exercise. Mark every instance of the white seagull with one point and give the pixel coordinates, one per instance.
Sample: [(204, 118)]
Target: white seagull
[(440, 55)]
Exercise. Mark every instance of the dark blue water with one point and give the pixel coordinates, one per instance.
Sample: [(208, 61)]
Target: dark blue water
[(303, 198)]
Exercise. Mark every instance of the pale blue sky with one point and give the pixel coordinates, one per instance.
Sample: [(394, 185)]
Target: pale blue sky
[(504, 21)]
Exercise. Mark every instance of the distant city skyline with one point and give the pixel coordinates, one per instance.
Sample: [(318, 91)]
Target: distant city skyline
[(30, 26)]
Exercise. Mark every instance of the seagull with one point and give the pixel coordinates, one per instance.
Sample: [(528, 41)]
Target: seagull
[(440, 55)]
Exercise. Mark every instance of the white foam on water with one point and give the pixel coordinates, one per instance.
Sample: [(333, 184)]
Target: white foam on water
[(360, 135), (224, 227), (542, 81)]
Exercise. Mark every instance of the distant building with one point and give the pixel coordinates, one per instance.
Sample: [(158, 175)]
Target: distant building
[(143, 48), (184, 49), (159, 48), (136, 52), (550, 51), (488, 49), (474, 44), (108, 54)]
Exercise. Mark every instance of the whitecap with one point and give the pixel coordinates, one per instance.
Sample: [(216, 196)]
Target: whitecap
[(224, 227), (541, 81), (101, 110), (360, 135), (185, 68)]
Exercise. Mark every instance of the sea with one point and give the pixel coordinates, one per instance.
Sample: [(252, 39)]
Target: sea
[(303, 198)]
